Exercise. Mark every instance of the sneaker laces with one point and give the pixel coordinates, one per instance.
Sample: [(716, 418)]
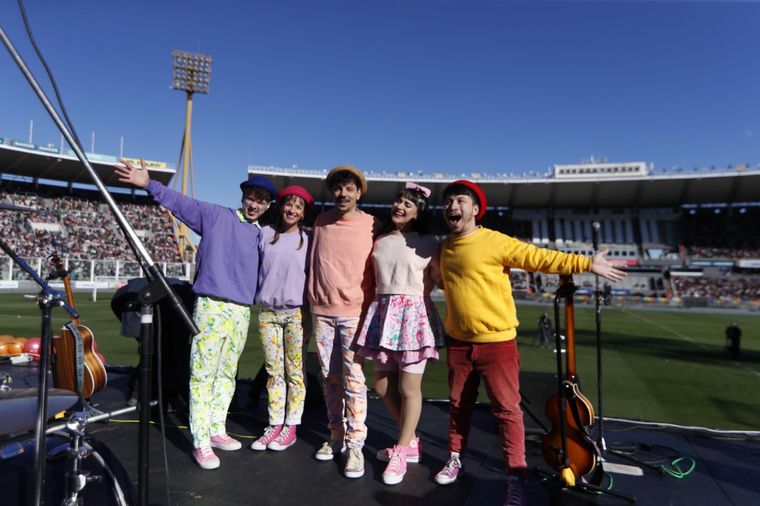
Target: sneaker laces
[(452, 466), (394, 464), (205, 452), (267, 435), (354, 457), (284, 433)]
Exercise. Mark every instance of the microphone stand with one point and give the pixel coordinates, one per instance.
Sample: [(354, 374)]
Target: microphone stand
[(47, 298), (151, 269), (601, 443)]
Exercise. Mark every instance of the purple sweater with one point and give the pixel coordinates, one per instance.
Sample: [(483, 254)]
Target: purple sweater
[(282, 274), (227, 262)]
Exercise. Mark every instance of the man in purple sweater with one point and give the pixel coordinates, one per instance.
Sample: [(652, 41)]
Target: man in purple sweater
[(226, 274)]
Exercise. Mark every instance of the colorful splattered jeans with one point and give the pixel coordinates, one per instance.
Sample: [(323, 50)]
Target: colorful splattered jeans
[(281, 337), (214, 359), (344, 385)]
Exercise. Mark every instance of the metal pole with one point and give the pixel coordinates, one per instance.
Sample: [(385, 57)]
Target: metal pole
[(40, 457), (598, 321), (146, 361)]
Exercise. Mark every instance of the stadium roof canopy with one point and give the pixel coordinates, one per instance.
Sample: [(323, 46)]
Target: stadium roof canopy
[(601, 191), (46, 162)]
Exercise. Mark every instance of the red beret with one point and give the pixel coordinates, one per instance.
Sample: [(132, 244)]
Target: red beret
[(477, 190), (298, 191)]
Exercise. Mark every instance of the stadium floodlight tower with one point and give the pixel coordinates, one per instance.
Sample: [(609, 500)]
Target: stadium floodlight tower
[(191, 73)]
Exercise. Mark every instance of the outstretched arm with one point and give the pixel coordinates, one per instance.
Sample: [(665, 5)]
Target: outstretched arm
[(188, 210), (136, 176), (605, 268)]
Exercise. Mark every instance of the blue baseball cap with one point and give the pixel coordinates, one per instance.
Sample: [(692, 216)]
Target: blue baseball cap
[(259, 182)]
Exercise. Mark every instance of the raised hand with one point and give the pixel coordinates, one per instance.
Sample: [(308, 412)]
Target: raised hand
[(128, 173), (606, 268)]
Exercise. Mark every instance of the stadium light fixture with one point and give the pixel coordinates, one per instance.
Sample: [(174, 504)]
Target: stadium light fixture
[(191, 72)]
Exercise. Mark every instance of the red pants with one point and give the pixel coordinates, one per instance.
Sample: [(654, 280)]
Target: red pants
[(498, 364)]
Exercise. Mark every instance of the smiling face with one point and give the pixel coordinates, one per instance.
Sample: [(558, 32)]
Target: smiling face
[(403, 213), (293, 209), (255, 203), (459, 211), (345, 195)]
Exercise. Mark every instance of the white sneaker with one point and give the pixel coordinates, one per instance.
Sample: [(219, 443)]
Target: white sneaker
[(355, 464), (450, 471), (329, 449)]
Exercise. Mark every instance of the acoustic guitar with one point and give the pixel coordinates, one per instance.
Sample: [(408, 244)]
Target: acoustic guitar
[(76, 366), (580, 451)]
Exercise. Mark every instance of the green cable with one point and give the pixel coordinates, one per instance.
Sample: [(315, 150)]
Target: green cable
[(675, 470)]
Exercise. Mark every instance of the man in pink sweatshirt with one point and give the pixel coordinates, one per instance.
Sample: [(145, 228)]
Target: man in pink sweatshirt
[(340, 287)]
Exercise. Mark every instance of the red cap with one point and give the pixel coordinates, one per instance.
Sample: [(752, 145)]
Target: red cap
[(298, 191), (479, 193)]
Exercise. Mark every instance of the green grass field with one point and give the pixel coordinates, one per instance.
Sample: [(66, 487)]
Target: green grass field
[(665, 366)]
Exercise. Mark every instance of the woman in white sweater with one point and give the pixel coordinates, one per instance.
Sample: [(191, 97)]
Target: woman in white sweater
[(402, 326)]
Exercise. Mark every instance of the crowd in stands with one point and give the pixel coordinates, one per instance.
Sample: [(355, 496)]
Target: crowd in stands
[(81, 227), (721, 252), (742, 288)]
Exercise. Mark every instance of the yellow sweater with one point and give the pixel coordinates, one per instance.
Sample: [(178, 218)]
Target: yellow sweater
[(475, 271)]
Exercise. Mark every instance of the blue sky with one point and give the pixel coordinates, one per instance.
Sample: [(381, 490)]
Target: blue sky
[(398, 85)]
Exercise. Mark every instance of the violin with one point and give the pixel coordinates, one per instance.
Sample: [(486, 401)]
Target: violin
[(568, 445), (71, 357)]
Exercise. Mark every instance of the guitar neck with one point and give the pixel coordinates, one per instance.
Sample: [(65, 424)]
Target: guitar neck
[(58, 264), (70, 297), (567, 282)]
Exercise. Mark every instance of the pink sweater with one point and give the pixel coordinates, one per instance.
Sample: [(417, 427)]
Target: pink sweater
[(340, 275)]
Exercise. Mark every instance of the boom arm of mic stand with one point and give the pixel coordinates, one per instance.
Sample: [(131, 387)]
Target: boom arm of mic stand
[(139, 248)]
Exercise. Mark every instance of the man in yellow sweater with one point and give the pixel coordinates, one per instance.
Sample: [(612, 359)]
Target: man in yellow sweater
[(481, 318)]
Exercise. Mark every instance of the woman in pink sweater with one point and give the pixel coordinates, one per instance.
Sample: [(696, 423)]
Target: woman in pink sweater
[(402, 326)]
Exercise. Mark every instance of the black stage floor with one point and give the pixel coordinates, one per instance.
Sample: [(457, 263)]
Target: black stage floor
[(725, 469)]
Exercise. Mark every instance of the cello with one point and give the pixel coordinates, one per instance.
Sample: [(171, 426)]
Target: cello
[(568, 446), (77, 367)]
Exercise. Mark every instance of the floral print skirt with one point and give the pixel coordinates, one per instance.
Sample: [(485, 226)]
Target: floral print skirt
[(405, 327)]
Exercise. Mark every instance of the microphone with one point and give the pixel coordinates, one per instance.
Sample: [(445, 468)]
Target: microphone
[(595, 236)]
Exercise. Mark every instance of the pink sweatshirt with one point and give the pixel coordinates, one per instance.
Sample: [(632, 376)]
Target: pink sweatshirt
[(340, 274)]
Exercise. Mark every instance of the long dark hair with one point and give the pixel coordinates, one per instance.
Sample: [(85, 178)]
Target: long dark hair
[(419, 224), (280, 223)]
